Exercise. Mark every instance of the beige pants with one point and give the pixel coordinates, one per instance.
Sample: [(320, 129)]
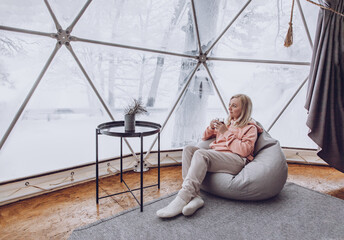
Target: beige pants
[(197, 162)]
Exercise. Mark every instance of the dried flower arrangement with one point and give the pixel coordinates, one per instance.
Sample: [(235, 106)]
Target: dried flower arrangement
[(136, 107)]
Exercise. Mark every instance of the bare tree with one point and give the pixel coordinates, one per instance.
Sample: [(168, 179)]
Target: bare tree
[(8, 47), (144, 26), (160, 59), (190, 114)]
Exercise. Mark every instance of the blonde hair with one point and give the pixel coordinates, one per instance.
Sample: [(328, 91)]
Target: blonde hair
[(246, 110)]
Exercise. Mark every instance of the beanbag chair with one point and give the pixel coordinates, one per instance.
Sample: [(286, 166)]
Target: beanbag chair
[(262, 178)]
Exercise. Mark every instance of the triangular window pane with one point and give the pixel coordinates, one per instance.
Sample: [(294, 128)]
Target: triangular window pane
[(164, 25), (122, 75), (66, 11), (291, 129), (28, 14)]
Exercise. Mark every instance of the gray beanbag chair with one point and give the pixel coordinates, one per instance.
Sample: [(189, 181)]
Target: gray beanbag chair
[(262, 178)]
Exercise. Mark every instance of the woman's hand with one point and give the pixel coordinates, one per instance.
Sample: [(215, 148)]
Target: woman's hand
[(213, 123), (220, 127)]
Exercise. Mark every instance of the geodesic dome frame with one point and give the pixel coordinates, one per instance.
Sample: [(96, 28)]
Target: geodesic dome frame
[(197, 79)]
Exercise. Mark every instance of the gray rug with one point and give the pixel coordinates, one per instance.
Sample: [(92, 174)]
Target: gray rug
[(296, 213)]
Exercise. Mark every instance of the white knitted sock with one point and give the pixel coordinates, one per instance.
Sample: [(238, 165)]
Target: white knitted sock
[(173, 209), (192, 206)]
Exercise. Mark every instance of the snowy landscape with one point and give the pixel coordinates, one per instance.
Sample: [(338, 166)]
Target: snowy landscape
[(56, 129)]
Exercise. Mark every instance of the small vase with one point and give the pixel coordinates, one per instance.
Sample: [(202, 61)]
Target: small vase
[(129, 122)]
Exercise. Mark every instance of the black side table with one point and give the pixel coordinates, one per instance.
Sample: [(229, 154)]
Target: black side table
[(116, 129)]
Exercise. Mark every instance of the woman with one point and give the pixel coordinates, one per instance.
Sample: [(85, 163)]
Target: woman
[(232, 149)]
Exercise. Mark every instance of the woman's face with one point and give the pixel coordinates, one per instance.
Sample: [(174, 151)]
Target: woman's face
[(235, 108)]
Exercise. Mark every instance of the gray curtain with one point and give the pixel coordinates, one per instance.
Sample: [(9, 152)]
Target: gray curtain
[(325, 97)]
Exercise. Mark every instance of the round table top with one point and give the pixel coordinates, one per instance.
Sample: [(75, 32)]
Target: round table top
[(116, 128)]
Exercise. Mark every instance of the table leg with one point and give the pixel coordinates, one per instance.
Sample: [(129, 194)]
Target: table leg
[(121, 162), (97, 170), (141, 172), (159, 160)]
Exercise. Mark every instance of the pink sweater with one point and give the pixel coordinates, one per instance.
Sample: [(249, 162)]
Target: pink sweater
[(236, 140)]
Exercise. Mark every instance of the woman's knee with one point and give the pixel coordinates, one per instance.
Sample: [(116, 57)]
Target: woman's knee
[(188, 153), (201, 154), (189, 149)]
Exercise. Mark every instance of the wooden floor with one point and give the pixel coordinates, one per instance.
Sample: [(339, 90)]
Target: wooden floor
[(55, 215)]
